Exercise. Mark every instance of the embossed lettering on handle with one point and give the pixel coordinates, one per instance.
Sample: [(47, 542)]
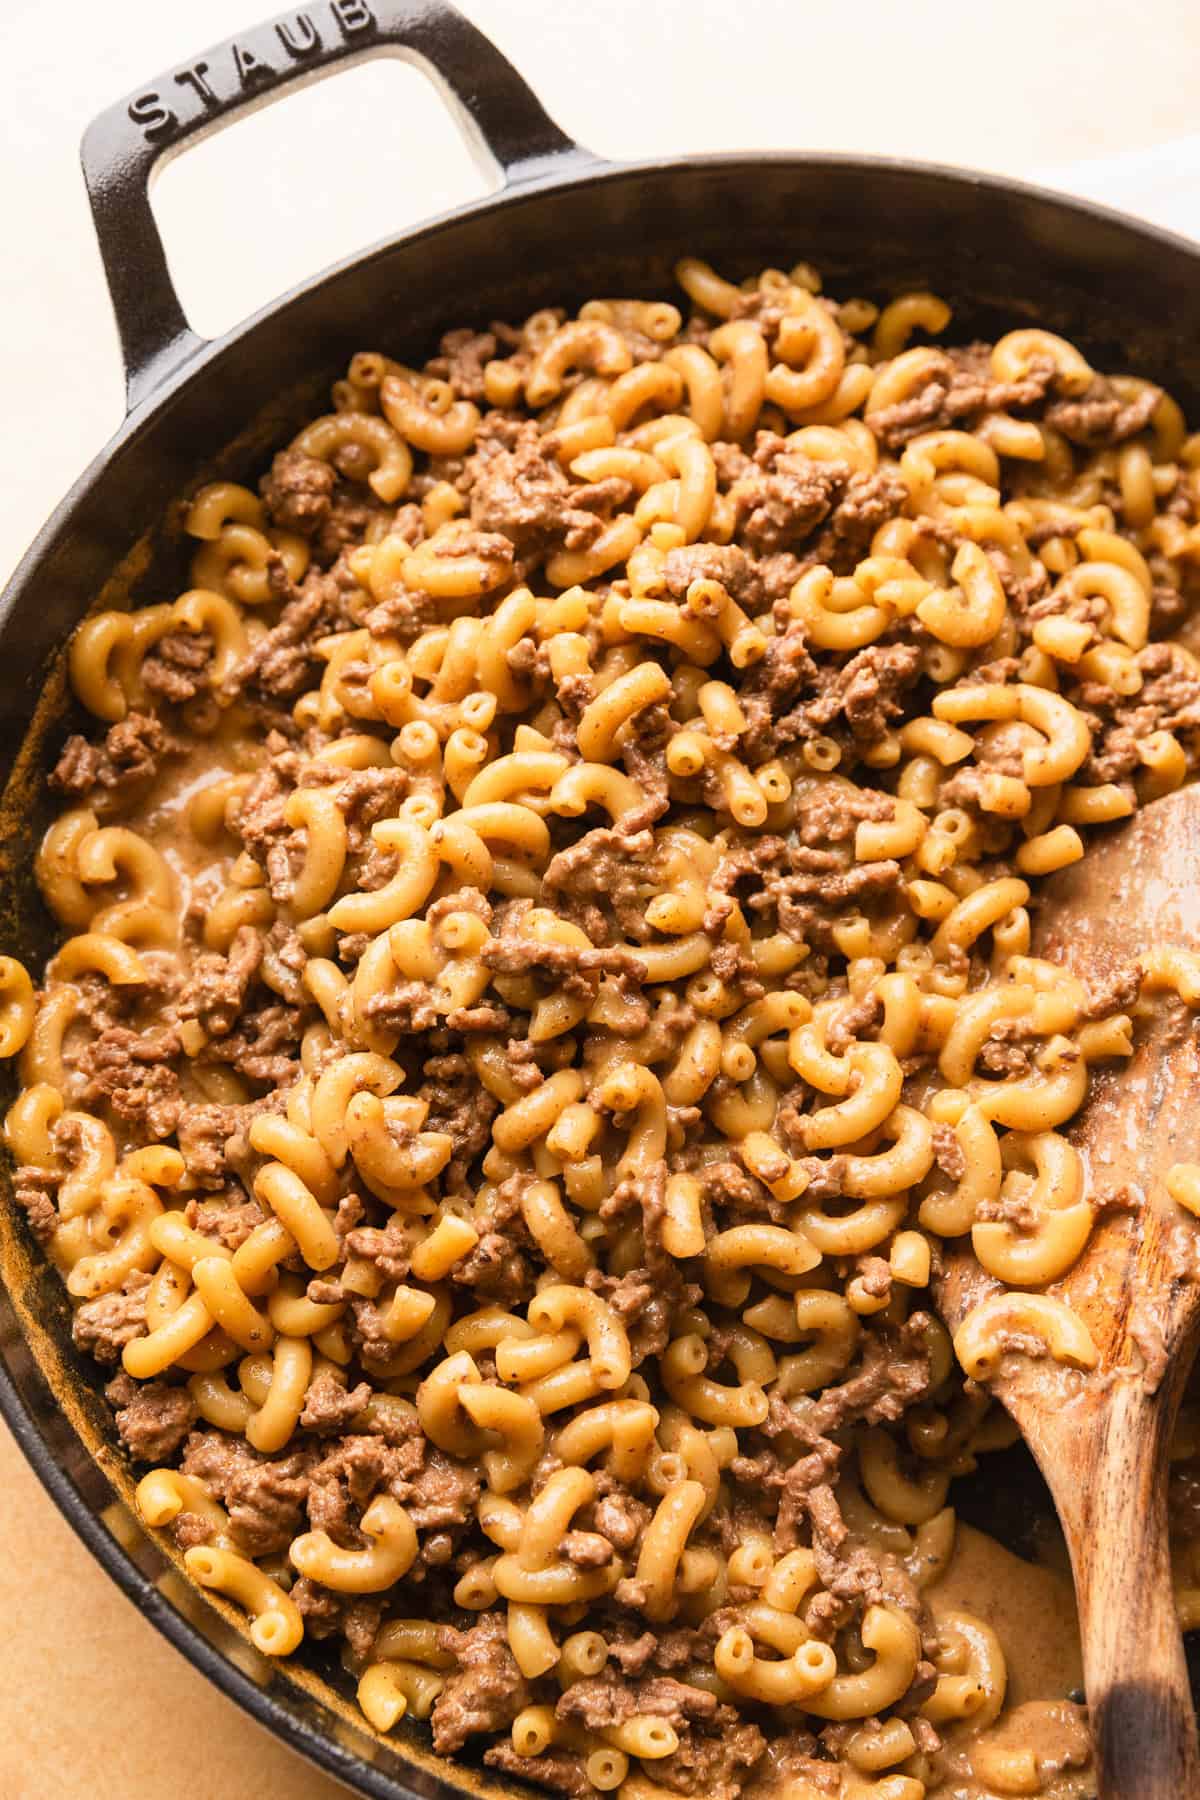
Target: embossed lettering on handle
[(499, 114), (202, 91)]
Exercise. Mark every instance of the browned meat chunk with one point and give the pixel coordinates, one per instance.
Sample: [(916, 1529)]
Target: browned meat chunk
[(152, 1418), (265, 1500), (297, 492), (120, 768), (129, 1070), (488, 1691), (102, 1327)]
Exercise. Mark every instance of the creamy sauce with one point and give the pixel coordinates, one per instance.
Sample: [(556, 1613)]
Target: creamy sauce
[(1031, 1609), (199, 870), (1029, 1606)]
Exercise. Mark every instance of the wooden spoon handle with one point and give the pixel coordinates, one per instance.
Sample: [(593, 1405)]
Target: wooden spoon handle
[(1113, 1503)]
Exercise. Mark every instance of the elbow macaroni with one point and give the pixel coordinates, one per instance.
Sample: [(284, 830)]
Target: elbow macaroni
[(586, 1024)]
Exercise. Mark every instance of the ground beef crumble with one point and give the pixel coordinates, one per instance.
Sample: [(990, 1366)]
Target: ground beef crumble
[(297, 492), (118, 770), (153, 1419), (486, 1693), (102, 1327)]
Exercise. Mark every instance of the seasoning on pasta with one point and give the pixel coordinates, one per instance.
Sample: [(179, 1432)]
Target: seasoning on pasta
[(545, 960)]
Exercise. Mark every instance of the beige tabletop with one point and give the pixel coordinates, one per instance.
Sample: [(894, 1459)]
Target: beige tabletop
[(92, 1702)]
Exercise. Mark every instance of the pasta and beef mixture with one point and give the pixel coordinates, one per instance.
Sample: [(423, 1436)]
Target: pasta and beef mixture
[(546, 964)]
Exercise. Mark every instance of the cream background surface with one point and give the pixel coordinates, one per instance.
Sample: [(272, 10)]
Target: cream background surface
[(92, 1702)]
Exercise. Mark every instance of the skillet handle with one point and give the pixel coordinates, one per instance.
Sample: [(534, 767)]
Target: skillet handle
[(500, 116)]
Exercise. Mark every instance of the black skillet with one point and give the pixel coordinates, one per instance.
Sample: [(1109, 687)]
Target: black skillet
[(562, 225)]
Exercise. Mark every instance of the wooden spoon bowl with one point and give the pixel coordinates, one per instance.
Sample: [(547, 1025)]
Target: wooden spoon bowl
[(1101, 1436)]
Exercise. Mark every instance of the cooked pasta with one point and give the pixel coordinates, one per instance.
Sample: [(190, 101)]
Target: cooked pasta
[(545, 958)]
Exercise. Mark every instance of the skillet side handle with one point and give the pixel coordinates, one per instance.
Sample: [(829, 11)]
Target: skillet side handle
[(500, 116)]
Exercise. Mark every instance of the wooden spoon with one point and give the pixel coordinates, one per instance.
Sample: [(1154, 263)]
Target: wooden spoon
[(1102, 1436)]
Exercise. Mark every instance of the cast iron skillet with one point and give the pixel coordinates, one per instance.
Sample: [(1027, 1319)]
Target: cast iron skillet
[(563, 225)]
